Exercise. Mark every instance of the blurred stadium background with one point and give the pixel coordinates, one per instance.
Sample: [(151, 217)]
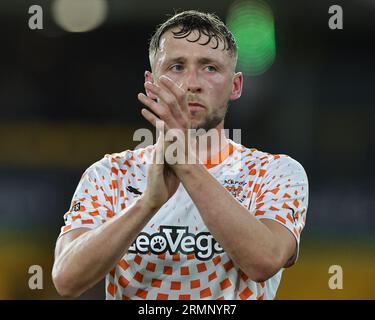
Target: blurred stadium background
[(67, 98)]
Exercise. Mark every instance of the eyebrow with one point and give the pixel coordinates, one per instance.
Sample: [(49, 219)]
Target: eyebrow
[(173, 60), (201, 61)]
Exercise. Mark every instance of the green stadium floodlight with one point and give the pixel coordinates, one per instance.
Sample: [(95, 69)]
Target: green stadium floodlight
[(252, 24)]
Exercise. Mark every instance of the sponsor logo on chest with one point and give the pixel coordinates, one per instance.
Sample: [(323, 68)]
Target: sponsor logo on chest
[(175, 239)]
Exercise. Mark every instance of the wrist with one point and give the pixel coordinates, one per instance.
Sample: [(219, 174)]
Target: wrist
[(182, 170), (147, 206)]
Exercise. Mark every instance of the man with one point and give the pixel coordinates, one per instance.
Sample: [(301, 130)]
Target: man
[(195, 228)]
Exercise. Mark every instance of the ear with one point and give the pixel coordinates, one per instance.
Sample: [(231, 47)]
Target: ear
[(237, 86), (149, 77)]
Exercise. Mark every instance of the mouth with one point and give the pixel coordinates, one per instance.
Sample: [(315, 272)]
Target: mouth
[(194, 106)]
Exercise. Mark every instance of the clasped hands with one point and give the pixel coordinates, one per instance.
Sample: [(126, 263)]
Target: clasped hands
[(171, 117)]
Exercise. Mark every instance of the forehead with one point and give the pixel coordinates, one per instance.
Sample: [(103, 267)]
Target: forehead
[(191, 47)]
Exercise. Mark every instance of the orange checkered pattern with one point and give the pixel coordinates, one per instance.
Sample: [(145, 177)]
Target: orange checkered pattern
[(270, 186)]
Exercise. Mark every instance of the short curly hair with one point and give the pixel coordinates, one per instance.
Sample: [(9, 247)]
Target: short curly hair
[(207, 24)]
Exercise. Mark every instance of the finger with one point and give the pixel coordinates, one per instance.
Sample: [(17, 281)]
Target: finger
[(157, 161), (154, 106), (161, 111), (158, 153), (149, 116), (165, 96), (159, 150), (178, 91)]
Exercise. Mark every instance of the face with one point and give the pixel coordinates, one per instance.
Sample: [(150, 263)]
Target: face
[(206, 73)]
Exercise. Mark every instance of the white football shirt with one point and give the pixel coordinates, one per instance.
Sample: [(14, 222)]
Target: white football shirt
[(175, 256)]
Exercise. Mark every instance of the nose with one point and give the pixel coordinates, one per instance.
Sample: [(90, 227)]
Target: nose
[(193, 83)]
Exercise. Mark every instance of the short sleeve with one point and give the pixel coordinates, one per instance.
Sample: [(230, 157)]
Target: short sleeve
[(283, 196), (92, 201)]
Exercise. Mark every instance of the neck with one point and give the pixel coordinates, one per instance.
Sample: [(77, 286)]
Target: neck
[(210, 144)]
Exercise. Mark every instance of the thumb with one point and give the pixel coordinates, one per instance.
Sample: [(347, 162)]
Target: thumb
[(159, 151)]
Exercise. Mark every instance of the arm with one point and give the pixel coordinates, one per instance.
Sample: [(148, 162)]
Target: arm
[(84, 256), (260, 248)]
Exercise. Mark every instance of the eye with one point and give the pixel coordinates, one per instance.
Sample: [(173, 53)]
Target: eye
[(177, 67), (211, 69)]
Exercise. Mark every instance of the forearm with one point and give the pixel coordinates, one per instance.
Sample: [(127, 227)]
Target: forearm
[(246, 240), (88, 258)]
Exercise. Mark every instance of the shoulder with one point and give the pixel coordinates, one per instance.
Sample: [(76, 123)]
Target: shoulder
[(122, 161), (268, 161)]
